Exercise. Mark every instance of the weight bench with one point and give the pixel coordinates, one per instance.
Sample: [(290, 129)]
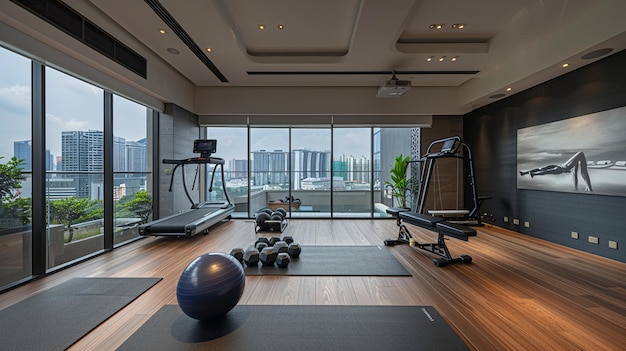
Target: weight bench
[(438, 224)]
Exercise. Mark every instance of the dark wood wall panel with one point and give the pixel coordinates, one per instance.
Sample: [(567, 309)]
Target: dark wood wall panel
[(491, 131)]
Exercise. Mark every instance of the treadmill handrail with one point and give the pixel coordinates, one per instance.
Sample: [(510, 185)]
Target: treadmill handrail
[(195, 160)]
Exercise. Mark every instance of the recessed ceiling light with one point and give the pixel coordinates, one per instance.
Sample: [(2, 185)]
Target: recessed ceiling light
[(173, 51), (209, 49), (436, 26), (280, 26), (442, 58), (261, 27), (509, 89), (162, 31), (565, 65), (430, 58), (454, 58), (459, 25)]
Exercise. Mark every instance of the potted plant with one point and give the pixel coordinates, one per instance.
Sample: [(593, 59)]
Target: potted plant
[(400, 184)]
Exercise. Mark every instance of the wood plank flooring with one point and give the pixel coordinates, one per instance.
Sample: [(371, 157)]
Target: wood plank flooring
[(519, 293)]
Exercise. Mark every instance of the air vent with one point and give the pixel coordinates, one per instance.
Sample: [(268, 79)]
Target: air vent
[(171, 22), (73, 23)]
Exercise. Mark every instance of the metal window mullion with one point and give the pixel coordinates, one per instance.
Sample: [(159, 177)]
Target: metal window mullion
[(39, 218), (108, 171)]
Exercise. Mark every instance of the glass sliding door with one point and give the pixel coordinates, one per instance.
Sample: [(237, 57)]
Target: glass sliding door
[(232, 146), (15, 168), (131, 195), (75, 180), (311, 178), (352, 172)]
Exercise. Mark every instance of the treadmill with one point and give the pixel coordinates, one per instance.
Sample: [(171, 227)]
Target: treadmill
[(202, 215)]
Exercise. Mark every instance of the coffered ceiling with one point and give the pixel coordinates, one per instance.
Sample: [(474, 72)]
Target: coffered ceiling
[(482, 46)]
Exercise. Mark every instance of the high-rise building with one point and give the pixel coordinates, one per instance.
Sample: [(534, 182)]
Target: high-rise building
[(238, 169), (135, 156), (22, 150), (119, 154), (83, 151), (309, 164), (270, 167)]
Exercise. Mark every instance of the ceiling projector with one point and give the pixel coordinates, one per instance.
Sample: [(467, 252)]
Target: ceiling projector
[(393, 88)]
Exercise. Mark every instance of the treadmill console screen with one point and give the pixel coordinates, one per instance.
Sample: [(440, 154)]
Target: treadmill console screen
[(205, 147), (447, 146)]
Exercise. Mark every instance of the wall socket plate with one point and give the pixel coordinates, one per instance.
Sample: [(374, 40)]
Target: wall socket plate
[(527, 224), (594, 239), (574, 235), (506, 219), (612, 244), (515, 221)]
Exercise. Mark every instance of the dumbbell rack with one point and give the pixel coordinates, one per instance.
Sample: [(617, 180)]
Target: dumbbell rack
[(269, 221)]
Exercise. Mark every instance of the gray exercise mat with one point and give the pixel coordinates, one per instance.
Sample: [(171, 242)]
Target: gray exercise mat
[(56, 318), (301, 328), (337, 261)]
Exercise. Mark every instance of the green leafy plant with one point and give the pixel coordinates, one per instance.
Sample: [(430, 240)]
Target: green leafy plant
[(12, 205), (141, 205), (68, 211), (10, 177), (399, 183)]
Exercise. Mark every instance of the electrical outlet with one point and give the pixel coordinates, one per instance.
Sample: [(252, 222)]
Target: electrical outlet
[(506, 219), (527, 224), (612, 244), (515, 221), (575, 235), (594, 239)]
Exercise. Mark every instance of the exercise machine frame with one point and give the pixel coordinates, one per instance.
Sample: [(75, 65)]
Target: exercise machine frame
[(202, 215), (451, 147)]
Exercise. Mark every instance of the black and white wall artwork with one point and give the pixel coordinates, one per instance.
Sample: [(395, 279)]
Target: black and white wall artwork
[(585, 154)]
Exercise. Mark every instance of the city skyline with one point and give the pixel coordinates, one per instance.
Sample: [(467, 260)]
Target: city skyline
[(62, 90)]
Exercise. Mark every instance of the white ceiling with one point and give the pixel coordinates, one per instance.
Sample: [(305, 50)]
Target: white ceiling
[(506, 43)]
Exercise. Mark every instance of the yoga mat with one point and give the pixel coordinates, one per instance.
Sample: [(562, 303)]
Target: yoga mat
[(301, 328), (56, 318), (337, 261)]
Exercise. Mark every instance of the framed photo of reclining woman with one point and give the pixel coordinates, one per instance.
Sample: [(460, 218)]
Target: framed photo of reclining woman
[(585, 154)]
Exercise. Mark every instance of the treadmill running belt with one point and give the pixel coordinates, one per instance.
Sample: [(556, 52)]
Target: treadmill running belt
[(187, 223)]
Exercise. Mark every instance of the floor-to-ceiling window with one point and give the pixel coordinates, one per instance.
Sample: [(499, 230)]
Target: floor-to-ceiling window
[(269, 172), (54, 147), (75, 179), (312, 172), (131, 194), (15, 167), (352, 172), (311, 177), (232, 146)]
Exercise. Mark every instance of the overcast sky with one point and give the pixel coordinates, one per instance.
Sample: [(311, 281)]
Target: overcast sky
[(72, 105)]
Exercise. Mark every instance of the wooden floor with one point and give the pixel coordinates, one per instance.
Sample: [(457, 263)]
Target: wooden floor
[(519, 293)]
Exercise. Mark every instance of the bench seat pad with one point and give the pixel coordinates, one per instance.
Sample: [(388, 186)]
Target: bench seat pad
[(455, 230), (422, 220)]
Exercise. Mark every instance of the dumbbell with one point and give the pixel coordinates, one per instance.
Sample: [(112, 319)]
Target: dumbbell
[(261, 221), (280, 246), (251, 257), (268, 256), (294, 250), (273, 240), (282, 260), (282, 211), (237, 253)]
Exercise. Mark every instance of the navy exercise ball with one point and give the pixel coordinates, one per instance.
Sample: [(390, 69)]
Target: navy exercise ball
[(210, 286)]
